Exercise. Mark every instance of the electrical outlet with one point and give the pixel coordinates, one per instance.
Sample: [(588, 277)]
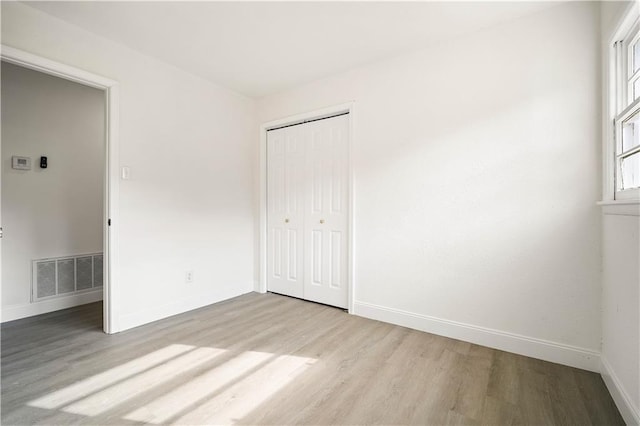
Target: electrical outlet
[(188, 277)]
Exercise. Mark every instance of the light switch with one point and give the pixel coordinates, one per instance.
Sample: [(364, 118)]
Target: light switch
[(126, 173)]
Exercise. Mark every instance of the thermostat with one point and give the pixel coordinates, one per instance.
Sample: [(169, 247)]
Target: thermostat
[(20, 163)]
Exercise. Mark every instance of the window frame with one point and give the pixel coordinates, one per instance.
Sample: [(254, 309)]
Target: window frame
[(627, 46), (619, 155), (620, 91)]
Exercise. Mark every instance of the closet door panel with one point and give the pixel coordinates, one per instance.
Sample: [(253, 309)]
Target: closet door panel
[(326, 215), (285, 210)]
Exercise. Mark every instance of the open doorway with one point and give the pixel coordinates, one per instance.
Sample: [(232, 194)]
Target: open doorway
[(56, 188)]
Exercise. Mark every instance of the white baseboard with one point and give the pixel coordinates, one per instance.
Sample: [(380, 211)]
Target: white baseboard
[(536, 348), (14, 312), (630, 413), (142, 317)]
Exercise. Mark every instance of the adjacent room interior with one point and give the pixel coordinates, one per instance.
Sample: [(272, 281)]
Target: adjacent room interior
[(320, 212), (53, 252)]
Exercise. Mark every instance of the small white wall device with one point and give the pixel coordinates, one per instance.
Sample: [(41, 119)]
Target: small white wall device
[(20, 163)]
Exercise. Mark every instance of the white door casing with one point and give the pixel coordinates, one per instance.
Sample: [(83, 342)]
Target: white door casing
[(309, 216)]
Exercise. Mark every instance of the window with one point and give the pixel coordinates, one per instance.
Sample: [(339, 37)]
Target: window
[(631, 51), (626, 155), (628, 150)]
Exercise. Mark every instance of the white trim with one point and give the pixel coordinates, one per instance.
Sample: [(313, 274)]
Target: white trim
[(572, 356), (262, 238), (111, 193), (14, 312), (294, 119), (47, 66), (310, 115), (629, 412), (111, 262), (617, 202), (351, 222), (611, 104), (620, 207)]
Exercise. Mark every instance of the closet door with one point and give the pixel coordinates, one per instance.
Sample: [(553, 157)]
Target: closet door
[(285, 210), (326, 211)]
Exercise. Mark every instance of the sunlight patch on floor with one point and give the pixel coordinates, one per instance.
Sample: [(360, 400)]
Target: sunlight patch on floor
[(103, 380), (241, 398), (224, 393), (104, 400), (176, 401), (121, 392)]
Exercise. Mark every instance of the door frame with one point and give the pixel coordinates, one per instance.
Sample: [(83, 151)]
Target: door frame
[(261, 285), (111, 182)]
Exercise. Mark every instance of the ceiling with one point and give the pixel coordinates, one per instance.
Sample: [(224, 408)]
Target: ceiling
[(260, 48)]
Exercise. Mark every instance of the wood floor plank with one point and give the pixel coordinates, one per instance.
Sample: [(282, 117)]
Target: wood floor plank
[(567, 403), (599, 405), (270, 359), (497, 412), (534, 398)]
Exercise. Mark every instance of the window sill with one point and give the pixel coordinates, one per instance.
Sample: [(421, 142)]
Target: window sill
[(620, 207)]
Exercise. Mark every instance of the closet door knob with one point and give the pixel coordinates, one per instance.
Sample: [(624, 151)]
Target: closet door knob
[(286, 221), (321, 220)]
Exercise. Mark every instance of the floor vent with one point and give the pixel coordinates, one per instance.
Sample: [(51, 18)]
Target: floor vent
[(63, 276)]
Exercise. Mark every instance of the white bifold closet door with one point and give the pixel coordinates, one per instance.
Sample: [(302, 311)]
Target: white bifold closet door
[(307, 210)]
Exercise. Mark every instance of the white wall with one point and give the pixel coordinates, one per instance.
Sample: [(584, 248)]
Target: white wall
[(55, 211), (475, 184), (621, 274), (621, 312), (188, 205)]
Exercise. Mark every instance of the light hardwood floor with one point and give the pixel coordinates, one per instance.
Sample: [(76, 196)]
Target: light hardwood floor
[(269, 359)]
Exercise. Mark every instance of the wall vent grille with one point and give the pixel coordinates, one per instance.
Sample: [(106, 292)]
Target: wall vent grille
[(63, 276)]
